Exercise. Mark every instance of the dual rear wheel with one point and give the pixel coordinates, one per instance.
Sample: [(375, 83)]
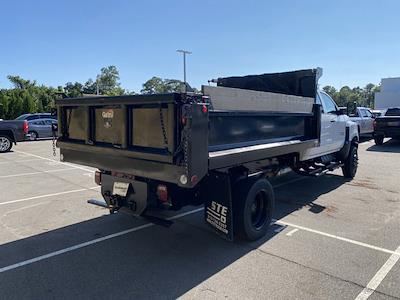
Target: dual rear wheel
[(254, 203)]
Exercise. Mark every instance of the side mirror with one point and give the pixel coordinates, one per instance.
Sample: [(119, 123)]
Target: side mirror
[(342, 111)]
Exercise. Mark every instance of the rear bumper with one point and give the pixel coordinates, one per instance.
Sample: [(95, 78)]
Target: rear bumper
[(93, 157), (388, 132)]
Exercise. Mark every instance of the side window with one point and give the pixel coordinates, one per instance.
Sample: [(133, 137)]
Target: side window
[(369, 114), (38, 122), (30, 118), (364, 113), (318, 101), (329, 105), (48, 122)]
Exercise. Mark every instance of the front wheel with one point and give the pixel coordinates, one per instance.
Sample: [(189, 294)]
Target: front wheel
[(253, 206), (5, 143), (351, 162)]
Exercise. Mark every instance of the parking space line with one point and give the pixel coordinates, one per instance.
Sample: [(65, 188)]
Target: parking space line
[(20, 161), (291, 232), (85, 244), (339, 238), (48, 195), (35, 173), (59, 162), (379, 276)]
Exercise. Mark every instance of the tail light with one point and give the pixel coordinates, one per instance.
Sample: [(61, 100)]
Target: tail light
[(162, 193), (25, 127), (97, 177), (374, 124)]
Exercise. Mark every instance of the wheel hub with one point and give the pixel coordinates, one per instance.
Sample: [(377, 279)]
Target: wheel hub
[(4, 144)]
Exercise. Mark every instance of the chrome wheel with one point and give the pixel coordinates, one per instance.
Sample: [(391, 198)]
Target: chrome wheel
[(5, 144)]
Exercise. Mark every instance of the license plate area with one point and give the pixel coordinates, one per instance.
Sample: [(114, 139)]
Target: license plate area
[(120, 188)]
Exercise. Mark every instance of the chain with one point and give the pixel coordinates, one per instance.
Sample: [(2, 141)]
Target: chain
[(186, 151), (54, 142), (164, 131)]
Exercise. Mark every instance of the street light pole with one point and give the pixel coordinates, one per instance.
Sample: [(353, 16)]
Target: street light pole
[(184, 52)]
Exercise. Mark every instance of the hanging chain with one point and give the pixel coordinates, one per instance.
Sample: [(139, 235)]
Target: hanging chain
[(54, 140), (164, 131)]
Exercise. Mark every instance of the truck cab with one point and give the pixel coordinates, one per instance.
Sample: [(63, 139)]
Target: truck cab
[(364, 119), (337, 129)]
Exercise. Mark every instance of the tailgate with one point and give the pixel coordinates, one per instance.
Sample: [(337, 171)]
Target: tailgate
[(133, 126)]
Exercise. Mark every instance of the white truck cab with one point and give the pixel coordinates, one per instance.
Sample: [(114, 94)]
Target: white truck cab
[(337, 129)]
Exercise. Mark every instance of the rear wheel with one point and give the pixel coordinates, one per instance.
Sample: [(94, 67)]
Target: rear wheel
[(253, 206), (5, 143), (378, 139), (351, 162), (33, 135)]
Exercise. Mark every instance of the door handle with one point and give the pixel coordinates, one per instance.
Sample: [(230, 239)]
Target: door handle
[(333, 121)]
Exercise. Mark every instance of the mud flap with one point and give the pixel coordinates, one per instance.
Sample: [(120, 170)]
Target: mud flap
[(217, 200)]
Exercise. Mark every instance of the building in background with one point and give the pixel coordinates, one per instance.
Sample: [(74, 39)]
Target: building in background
[(389, 96)]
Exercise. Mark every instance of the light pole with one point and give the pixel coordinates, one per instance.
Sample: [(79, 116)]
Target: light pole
[(184, 52)]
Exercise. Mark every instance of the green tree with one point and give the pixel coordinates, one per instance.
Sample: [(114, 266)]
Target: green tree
[(73, 90), (156, 85), (108, 81)]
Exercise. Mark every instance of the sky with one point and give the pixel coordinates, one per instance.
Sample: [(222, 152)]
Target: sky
[(55, 41)]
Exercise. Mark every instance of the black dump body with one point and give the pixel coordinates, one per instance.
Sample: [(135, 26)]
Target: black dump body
[(164, 136), (298, 83)]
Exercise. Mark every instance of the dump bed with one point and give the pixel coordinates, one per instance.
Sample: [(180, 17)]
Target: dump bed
[(179, 138)]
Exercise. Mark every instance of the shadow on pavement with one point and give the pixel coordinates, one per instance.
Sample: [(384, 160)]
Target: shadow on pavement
[(151, 263), (389, 146)]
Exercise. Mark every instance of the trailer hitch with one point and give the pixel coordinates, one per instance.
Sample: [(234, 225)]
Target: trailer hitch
[(125, 210)]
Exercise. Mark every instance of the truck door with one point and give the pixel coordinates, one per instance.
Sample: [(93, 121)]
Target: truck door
[(333, 126), (363, 123), (369, 122)]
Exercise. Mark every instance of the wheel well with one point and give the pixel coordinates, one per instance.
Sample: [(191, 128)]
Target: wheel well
[(8, 133), (37, 134)]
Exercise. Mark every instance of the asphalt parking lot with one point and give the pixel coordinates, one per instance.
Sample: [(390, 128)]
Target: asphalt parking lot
[(333, 239)]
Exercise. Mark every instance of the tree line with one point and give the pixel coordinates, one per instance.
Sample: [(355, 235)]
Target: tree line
[(27, 96)]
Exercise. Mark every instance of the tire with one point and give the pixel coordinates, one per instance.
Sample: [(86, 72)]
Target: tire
[(253, 205), (351, 162), (33, 135), (378, 140), (5, 143)]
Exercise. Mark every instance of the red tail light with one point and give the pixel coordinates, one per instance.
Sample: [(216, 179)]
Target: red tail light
[(25, 127), (97, 177), (162, 193), (374, 124)]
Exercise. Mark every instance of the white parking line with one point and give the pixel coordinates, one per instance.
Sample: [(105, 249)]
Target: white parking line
[(20, 161), (59, 162), (48, 195), (35, 173), (338, 238), (291, 232), (379, 276), (95, 241)]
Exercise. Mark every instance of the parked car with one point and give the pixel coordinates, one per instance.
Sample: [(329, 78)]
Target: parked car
[(377, 112), (30, 117), (387, 125), (12, 132), (41, 128), (364, 119)]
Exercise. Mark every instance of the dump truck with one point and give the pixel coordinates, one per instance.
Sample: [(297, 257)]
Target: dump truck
[(218, 148)]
